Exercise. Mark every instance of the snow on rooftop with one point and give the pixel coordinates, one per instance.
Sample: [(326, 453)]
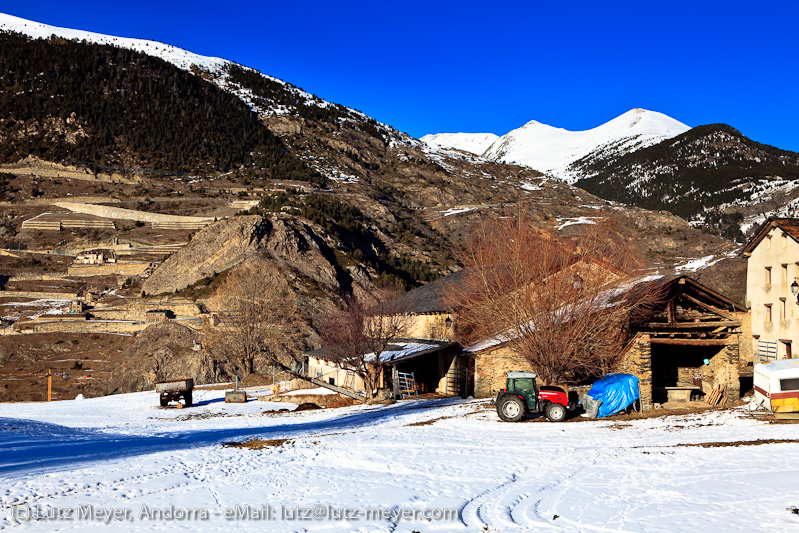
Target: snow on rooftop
[(400, 349), (603, 300)]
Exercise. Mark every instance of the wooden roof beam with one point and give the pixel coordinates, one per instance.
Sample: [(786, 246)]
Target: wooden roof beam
[(689, 342), (709, 307), (693, 325)]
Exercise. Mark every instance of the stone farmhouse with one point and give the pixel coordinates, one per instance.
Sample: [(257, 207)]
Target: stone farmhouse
[(438, 364), (695, 341)]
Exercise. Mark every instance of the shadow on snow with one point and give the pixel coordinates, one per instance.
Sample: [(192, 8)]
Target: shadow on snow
[(29, 446)]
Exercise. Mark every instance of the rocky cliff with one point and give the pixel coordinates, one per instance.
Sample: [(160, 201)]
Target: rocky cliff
[(291, 243)]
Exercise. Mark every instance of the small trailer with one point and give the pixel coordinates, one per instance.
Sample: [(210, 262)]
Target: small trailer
[(776, 385), (174, 390)]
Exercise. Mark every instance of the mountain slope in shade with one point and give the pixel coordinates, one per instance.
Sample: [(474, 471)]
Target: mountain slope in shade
[(711, 175), (475, 143), (551, 150), (227, 75)]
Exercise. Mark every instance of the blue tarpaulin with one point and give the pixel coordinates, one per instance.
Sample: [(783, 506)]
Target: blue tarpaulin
[(616, 392)]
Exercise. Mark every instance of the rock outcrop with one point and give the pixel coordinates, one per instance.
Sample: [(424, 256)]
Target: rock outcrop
[(161, 352), (289, 242)]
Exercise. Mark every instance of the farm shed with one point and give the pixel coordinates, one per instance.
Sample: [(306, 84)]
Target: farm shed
[(438, 366), (689, 345)]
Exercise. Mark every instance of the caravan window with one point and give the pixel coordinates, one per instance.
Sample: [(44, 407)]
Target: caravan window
[(789, 384)]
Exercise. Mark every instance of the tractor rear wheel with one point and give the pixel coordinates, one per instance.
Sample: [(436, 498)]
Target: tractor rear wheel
[(164, 401), (187, 398), (510, 408), (555, 412)]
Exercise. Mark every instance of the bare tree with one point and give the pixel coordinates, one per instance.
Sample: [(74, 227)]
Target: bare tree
[(258, 320), (358, 332), (564, 305)]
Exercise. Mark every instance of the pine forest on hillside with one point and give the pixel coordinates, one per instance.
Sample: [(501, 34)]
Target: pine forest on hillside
[(111, 107)]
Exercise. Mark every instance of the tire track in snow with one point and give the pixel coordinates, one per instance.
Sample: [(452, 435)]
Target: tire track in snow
[(489, 508)]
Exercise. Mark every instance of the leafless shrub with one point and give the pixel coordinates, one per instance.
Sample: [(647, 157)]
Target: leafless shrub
[(258, 320), (359, 330), (565, 305)]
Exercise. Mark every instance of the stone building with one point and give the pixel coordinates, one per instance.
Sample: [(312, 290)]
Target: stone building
[(429, 313), (690, 346), (427, 351), (771, 278), (155, 316), (438, 366)]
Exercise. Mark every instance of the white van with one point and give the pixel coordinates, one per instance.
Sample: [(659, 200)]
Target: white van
[(777, 385)]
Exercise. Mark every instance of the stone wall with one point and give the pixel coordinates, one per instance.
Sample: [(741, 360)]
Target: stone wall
[(118, 314), (745, 344), (431, 326), (723, 365), (74, 326), (490, 367), (40, 295), (326, 370), (60, 224), (106, 269), (178, 308), (36, 167), (637, 360), (729, 359), (120, 213)]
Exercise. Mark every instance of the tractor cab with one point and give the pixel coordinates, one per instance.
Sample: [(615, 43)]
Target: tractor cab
[(523, 384)]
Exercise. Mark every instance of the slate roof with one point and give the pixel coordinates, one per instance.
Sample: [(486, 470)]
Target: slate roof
[(428, 298), (399, 350)]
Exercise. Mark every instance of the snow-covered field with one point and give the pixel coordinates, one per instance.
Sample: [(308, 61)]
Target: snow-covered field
[(167, 468)]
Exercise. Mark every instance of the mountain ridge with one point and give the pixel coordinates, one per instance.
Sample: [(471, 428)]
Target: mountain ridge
[(711, 175), (552, 150), (407, 203)]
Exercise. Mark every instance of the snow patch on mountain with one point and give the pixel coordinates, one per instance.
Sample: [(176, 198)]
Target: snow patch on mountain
[(475, 143), (551, 150)]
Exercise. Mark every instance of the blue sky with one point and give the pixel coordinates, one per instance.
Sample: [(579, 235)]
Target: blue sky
[(428, 67)]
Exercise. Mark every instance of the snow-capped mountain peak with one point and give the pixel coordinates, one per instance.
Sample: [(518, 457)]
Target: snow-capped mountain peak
[(552, 150)]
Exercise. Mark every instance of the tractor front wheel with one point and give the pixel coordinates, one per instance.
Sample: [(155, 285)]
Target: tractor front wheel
[(555, 412), (510, 408)]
